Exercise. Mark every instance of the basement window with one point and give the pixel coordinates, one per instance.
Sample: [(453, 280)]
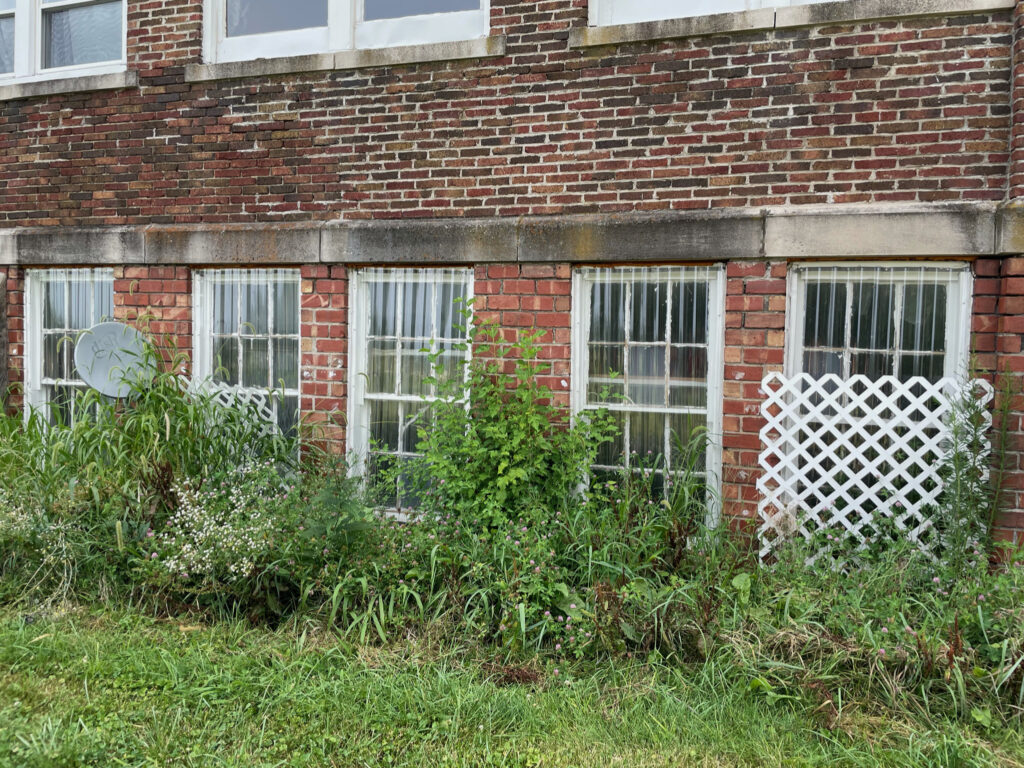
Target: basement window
[(60, 304), (880, 320), (247, 336), (399, 318), (648, 347), (253, 29), (47, 39)]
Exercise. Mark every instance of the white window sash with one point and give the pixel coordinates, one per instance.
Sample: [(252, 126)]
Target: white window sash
[(359, 399), (28, 45), (36, 281), (955, 276), (583, 280), (345, 30)]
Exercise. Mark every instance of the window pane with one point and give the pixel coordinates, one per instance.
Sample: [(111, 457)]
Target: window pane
[(288, 415), (450, 306), (924, 318), (255, 317), (872, 316), (874, 365), (825, 312), (225, 360), (650, 311), (610, 454), (415, 370), (418, 310), (689, 363), (394, 9), (929, 366), (646, 435), (53, 305), (53, 356), (819, 364), (286, 307), (80, 293), (690, 313), (254, 17), (256, 363), (608, 312), (286, 364), (383, 426), (82, 34), (225, 307), (381, 364), (382, 309), (6, 43), (605, 360), (7, 5)]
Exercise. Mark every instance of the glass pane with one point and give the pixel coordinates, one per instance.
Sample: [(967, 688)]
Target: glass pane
[(286, 363), (646, 435), (819, 364), (414, 421), (415, 370), (6, 43), (874, 365), (394, 9), (872, 316), (452, 365), (690, 313), (683, 430), (60, 401), (225, 307), (255, 317), (647, 362), (68, 354), (450, 305), (286, 307), (689, 363), (104, 301), (924, 318), (256, 362), (610, 454), (53, 356), (417, 310), (288, 415), (688, 396), (53, 305), (824, 324), (7, 5), (605, 360), (608, 312), (650, 311), (384, 426), (929, 366), (254, 17), (382, 309), (225, 360), (82, 34), (381, 367), (79, 292)]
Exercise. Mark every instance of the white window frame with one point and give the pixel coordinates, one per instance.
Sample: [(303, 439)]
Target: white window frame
[(956, 276), (35, 283), (28, 45), (345, 30), (358, 328), (203, 281), (581, 308), (609, 12)]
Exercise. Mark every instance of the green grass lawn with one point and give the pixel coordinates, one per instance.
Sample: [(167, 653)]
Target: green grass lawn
[(120, 689)]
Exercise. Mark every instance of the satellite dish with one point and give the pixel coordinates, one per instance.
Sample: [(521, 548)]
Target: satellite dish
[(111, 357)]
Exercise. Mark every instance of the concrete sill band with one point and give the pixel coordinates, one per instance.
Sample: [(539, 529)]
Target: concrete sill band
[(815, 232), (484, 47), (817, 14), (83, 84)]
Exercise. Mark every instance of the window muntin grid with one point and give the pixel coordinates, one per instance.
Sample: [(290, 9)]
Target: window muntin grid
[(400, 318), (878, 321), (250, 335), (649, 349), (62, 304)]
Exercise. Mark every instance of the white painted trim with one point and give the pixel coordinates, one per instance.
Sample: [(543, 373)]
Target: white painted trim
[(28, 47)]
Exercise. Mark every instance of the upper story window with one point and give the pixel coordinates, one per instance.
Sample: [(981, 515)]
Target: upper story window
[(604, 12), (251, 29), (41, 39), (878, 321)]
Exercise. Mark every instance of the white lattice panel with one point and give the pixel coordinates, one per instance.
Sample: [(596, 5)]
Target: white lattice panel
[(233, 396), (838, 453)]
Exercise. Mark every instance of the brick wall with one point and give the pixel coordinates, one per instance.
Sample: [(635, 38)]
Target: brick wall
[(324, 350), (15, 315), (157, 300), (911, 110)]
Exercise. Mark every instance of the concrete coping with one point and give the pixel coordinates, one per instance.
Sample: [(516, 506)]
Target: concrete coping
[(813, 14), (107, 82), (785, 233), (483, 47)]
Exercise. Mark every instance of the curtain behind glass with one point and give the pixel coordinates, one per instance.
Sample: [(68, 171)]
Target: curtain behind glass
[(254, 17), (6, 41), (82, 34), (394, 9)]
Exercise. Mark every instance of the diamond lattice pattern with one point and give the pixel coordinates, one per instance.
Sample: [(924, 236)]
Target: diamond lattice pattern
[(838, 453)]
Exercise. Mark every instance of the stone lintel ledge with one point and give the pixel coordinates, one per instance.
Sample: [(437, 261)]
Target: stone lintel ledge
[(814, 14), (484, 47), (789, 233), (82, 84)]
